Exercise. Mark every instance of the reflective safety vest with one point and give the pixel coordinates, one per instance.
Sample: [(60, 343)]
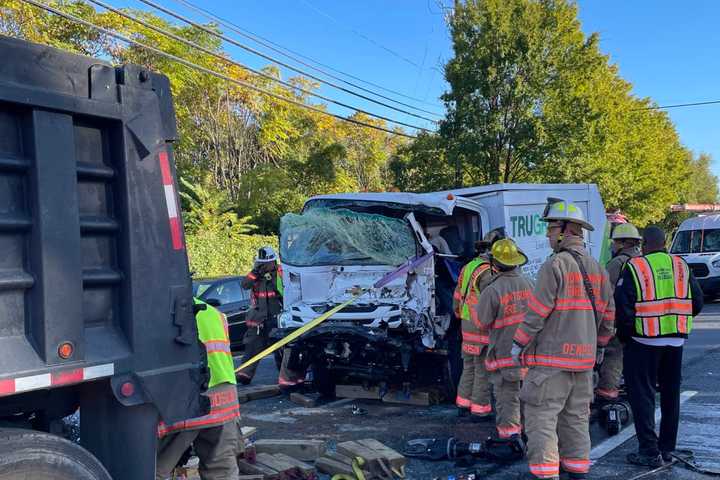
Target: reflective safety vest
[(465, 286), (664, 299), (213, 332), (222, 390)]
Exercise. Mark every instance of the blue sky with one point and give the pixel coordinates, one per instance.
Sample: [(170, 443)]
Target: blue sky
[(667, 49)]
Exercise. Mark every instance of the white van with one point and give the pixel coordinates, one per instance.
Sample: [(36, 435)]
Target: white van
[(403, 333), (698, 242)]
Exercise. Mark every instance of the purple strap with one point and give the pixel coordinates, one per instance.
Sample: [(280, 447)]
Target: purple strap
[(411, 264)]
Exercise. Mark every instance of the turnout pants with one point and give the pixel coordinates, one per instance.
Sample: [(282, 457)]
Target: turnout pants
[(255, 342), (645, 367), (474, 387), (216, 447), (610, 371), (557, 410), (506, 385), (289, 377)]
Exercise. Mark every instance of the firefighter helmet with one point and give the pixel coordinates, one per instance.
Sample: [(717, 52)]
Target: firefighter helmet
[(266, 255), (564, 211), (506, 253), (626, 231)]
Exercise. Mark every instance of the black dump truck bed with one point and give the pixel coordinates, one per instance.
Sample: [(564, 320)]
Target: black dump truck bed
[(95, 292)]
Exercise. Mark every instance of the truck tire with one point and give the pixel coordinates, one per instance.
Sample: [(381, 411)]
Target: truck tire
[(29, 454)]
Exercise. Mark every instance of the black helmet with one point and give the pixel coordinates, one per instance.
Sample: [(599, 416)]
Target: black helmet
[(484, 245)]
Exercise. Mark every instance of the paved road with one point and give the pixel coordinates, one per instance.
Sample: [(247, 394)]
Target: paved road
[(394, 425)]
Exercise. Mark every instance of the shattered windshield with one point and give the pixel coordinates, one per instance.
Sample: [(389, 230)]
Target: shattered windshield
[(323, 236)]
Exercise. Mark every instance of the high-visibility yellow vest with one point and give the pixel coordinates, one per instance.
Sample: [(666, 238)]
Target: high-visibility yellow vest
[(664, 298), (468, 272), (213, 332)]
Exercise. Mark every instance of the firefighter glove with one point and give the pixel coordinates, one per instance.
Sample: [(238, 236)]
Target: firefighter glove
[(515, 352)]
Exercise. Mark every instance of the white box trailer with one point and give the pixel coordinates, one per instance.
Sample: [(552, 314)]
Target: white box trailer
[(518, 207), (394, 334)]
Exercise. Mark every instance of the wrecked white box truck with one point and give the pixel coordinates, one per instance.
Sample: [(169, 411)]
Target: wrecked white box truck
[(404, 333)]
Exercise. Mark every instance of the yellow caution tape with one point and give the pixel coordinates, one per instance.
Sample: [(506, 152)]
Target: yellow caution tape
[(309, 326)]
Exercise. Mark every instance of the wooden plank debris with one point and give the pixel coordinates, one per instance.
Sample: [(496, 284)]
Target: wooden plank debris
[(259, 469), (245, 394), (333, 467), (374, 461), (308, 472), (395, 459), (357, 391), (303, 400), (420, 397), (305, 450)]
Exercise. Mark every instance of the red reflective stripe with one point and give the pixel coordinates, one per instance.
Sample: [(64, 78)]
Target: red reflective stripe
[(545, 470), (573, 308), (668, 306), (480, 409), (471, 349), (165, 168), (682, 324), (575, 465), (200, 422), (645, 277), (266, 294), (651, 326), (566, 359), (682, 283), (68, 377), (251, 276), (7, 386), (609, 316), (462, 402), (537, 307), (608, 393), (559, 362), (498, 363), (284, 381), (475, 338), (176, 234), (521, 337), (509, 320), (507, 432)]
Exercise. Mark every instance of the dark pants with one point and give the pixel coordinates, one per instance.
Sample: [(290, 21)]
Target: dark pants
[(255, 341), (644, 367)]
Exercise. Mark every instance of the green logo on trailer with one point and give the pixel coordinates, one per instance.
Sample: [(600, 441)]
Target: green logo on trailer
[(527, 225)]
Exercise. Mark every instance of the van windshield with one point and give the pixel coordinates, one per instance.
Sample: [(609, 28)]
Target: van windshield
[(323, 236), (697, 241)]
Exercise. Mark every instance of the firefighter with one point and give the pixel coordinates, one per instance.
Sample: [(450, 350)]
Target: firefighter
[(265, 283), (501, 308), (656, 298), (569, 321), (215, 436), (473, 396), (626, 245)]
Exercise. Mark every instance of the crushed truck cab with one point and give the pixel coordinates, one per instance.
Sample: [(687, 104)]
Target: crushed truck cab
[(404, 332)]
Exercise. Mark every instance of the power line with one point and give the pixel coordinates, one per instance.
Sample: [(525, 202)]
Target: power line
[(362, 35), (268, 57), (228, 60), (208, 71), (277, 48), (679, 105)]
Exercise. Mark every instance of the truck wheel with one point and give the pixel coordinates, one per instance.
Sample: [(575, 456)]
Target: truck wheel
[(29, 454)]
